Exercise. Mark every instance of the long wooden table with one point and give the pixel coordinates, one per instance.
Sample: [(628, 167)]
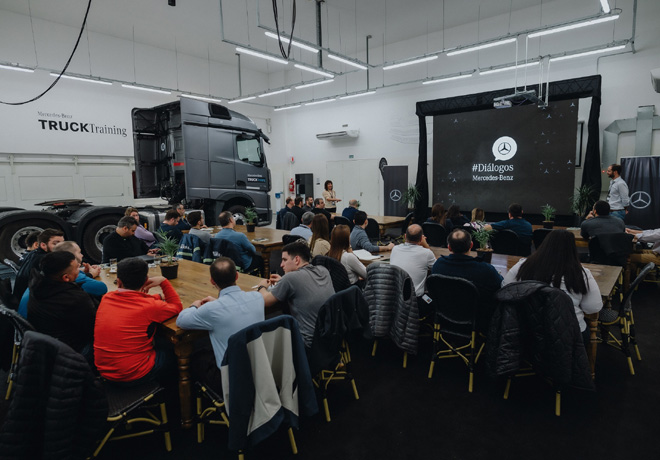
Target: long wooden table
[(192, 283), (606, 277), (384, 222)]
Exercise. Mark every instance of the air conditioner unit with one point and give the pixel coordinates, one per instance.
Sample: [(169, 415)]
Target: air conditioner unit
[(348, 134)]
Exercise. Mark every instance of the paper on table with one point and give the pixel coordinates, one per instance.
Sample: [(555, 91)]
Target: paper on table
[(365, 255)]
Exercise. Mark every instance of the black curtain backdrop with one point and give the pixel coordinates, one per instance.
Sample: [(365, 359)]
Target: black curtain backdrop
[(642, 174), (576, 88)]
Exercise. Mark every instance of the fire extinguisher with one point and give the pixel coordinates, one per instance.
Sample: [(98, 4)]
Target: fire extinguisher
[(292, 186)]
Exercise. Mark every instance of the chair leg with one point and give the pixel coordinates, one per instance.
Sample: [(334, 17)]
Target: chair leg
[(431, 368), (558, 403), (102, 443), (355, 392), (507, 388), (241, 456), (631, 332), (373, 350), (292, 440), (200, 423), (326, 409), (168, 438), (405, 359), (625, 346)]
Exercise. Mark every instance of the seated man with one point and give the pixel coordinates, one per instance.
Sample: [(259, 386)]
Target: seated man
[(31, 243), (122, 243), (600, 221), (303, 229), (297, 209), (170, 225), (59, 307), (349, 212), (319, 208), (460, 264), (141, 233), (288, 206), (415, 257), (359, 238), (182, 224), (515, 222), (48, 239), (647, 255), (85, 278), (124, 335), (232, 311), (250, 259), (196, 221), (309, 204), (305, 287)]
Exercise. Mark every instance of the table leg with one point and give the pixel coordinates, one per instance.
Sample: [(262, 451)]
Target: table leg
[(183, 350), (266, 257), (593, 344)]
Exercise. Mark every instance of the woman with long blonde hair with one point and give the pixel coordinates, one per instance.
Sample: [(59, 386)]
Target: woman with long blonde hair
[(340, 249), (319, 243)]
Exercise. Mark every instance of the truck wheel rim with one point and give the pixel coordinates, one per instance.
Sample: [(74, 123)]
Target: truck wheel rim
[(19, 237), (101, 234), (239, 216)]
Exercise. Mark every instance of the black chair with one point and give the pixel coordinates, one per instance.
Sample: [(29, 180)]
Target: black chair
[(506, 242), (286, 239), (11, 264), (406, 222), (290, 221), (455, 303), (373, 230), (341, 220), (436, 234), (539, 235), (20, 326), (623, 318), (223, 248), (338, 272), (216, 414), (612, 249)]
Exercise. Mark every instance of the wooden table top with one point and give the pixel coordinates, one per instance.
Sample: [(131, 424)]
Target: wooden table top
[(273, 237), (192, 283)]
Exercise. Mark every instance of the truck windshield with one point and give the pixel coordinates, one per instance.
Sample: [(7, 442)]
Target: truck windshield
[(249, 151)]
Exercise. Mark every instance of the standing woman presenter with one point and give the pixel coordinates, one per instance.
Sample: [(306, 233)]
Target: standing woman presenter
[(330, 197)]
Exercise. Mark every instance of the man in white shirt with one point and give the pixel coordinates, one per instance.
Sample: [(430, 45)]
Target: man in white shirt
[(303, 229), (415, 257), (647, 255)]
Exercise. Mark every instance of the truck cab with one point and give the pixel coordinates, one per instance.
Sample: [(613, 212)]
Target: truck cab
[(203, 153)]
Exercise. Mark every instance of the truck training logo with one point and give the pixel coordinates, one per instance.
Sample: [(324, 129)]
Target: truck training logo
[(503, 149), (57, 124)]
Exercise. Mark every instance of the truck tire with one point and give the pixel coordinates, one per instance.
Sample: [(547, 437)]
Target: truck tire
[(238, 212), (12, 237), (94, 234)]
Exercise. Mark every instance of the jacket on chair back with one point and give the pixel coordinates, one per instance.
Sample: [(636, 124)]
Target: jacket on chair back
[(392, 303), (537, 323)]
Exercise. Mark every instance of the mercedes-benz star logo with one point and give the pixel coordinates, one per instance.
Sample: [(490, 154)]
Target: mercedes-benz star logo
[(395, 195), (640, 200), (504, 148)]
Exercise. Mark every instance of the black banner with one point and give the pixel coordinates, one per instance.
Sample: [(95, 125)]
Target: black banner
[(642, 174), (395, 184)]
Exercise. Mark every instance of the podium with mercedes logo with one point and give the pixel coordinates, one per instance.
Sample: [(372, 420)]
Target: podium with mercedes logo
[(395, 183)]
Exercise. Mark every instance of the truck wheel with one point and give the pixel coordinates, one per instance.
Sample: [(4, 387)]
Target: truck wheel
[(238, 212), (12, 237), (94, 235)]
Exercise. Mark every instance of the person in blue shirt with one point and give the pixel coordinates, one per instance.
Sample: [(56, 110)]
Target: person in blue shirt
[(170, 225), (359, 238), (349, 212), (303, 229), (85, 279), (183, 224), (515, 222), (250, 259)]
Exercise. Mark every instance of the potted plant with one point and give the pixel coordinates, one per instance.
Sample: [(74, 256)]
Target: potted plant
[(411, 195), (548, 215), (169, 247), (483, 237), (251, 218), (581, 202)]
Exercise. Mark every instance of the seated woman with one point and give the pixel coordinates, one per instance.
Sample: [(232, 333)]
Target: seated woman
[(556, 262), (340, 249), (439, 216), (141, 233), (455, 217), (478, 218), (319, 243)]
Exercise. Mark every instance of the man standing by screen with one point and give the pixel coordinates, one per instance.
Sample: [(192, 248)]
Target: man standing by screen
[(617, 195)]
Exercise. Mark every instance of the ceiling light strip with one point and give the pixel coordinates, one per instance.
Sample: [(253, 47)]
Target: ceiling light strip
[(443, 79), (349, 96), (17, 68), (321, 101), (346, 61), (575, 25), (202, 98), (88, 80), (144, 88), (511, 67), (279, 109), (272, 93), (481, 46), (414, 61), (314, 70), (316, 83), (587, 53), (261, 55), (249, 98), (606, 6), (293, 43)]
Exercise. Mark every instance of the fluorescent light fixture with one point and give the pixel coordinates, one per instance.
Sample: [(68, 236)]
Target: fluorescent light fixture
[(88, 80), (261, 55), (574, 25), (272, 93), (316, 83), (511, 67), (143, 88), (249, 98), (606, 6), (347, 61), (349, 96), (481, 47), (19, 69), (293, 43), (201, 98), (414, 61), (321, 101), (314, 70), (587, 53), (440, 80), (279, 109)]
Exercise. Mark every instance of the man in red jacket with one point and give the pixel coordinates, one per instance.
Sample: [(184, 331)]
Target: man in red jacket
[(123, 339)]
